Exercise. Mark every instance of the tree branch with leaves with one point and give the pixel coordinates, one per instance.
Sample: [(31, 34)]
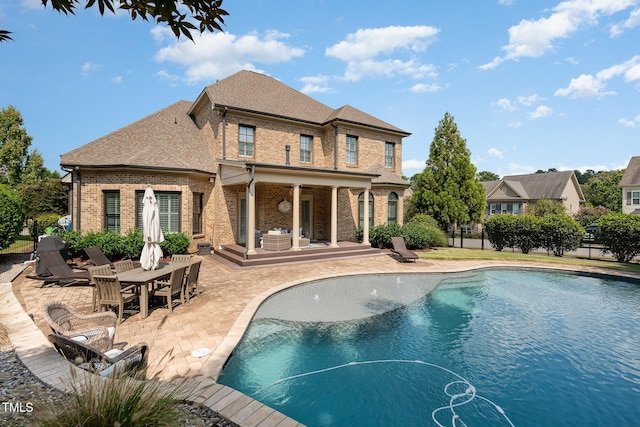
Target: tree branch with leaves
[(177, 14)]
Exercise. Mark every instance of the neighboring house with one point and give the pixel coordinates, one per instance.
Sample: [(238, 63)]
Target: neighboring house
[(512, 193), (249, 154), (630, 184)]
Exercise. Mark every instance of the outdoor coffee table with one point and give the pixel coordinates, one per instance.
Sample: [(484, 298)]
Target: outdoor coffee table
[(143, 279)]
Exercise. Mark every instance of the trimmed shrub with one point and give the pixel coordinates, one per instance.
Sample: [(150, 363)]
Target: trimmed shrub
[(560, 233), (11, 216), (500, 231), (526, 233), (424, 219), (380, 235), (620, 234), (174, 243), (416, 235), (132, 243)]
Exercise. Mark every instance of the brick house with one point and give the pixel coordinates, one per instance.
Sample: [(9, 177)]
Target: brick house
[(630, 184), (250, 154), (512, 193)]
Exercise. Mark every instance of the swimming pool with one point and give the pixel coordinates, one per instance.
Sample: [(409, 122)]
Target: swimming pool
[(487, 348)]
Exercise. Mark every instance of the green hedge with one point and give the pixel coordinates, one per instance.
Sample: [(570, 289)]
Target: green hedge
[(417, 235), (12, 216), (116, 246)]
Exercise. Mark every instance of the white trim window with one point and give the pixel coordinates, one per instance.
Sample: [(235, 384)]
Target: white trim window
[(305, 148), (389, 158), (246, 140), (352, 150), (169, 208)]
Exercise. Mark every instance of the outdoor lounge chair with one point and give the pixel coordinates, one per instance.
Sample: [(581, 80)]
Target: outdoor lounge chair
[(133, 360), (61, 272), (96, 330), (97, 257), (400, 249)]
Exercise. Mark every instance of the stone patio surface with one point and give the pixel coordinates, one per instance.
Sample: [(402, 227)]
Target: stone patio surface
[(218, 317)]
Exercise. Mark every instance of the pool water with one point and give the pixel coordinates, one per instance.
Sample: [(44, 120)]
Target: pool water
[(489, 348)]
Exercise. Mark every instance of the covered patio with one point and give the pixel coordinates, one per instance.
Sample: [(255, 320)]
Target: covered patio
[(319, 197)]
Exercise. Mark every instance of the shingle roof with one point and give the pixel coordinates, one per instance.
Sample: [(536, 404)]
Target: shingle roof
[(254, 92), (631, 174), (386, 176), (166, 139), (539, 186)]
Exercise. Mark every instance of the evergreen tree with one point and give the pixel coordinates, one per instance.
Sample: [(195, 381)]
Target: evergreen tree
[(14, 145), (448, 189)]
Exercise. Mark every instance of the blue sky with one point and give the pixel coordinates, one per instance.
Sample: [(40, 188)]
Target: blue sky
[(531, 84)]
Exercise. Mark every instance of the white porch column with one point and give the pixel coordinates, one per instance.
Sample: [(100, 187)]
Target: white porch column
[(366, 213), (251, 219), (295, 246), (334, 217)]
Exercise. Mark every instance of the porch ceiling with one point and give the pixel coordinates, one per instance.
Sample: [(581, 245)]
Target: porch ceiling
[(233, 172)]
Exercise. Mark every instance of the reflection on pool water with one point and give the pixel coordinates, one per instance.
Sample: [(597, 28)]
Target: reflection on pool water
[(489, 348)]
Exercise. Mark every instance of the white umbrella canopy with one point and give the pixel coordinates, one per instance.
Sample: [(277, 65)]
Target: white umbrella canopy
[(151, 251)]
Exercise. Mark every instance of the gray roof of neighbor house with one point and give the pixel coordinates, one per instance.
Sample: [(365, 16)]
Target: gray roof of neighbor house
[(535, 186), (631, 174), (257, 93), (166, 139)]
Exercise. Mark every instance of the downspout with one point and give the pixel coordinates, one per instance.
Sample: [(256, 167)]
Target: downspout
[(224, 134), (251, 177), (77, 176), (335, 146)]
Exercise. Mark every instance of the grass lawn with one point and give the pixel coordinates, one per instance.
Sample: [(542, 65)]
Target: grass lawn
[(464, 254), (23, 244)]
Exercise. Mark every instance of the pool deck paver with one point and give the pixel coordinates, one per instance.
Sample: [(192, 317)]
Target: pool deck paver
[(216, 320)]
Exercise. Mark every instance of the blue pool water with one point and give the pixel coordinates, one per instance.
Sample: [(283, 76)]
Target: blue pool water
[(489, 348)]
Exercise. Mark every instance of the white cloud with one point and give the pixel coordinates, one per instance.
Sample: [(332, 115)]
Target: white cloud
[(494, 152), (633, 123), (376, 52), (515, 125), (316, 84), (534, 38), (506, 105), (423, 87), (87, 68), (590, 86), (530, 100), (540, 112), (117, 79), (632, 22), (413, 164), (217, 55), (506, 2), (517, 169)]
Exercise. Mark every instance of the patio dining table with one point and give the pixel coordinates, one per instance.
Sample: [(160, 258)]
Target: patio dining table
[(143, 279)]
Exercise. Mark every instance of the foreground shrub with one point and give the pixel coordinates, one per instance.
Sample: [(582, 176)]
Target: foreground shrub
[(620, 234), (560, 233), (11, 216), (380, 235), (424, 219)]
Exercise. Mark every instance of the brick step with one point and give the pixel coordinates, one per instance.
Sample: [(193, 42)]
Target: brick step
[(233, 254)]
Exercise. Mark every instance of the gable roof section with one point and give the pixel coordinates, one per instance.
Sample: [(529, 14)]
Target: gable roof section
[(536, 186), (257, 93), (386, 177), (631, 176), (166, 139)]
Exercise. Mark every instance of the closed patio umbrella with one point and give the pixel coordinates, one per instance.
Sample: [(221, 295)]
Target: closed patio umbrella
[(151, 251)]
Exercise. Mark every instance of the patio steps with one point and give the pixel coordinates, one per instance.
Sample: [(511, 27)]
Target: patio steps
[(235, 254)]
